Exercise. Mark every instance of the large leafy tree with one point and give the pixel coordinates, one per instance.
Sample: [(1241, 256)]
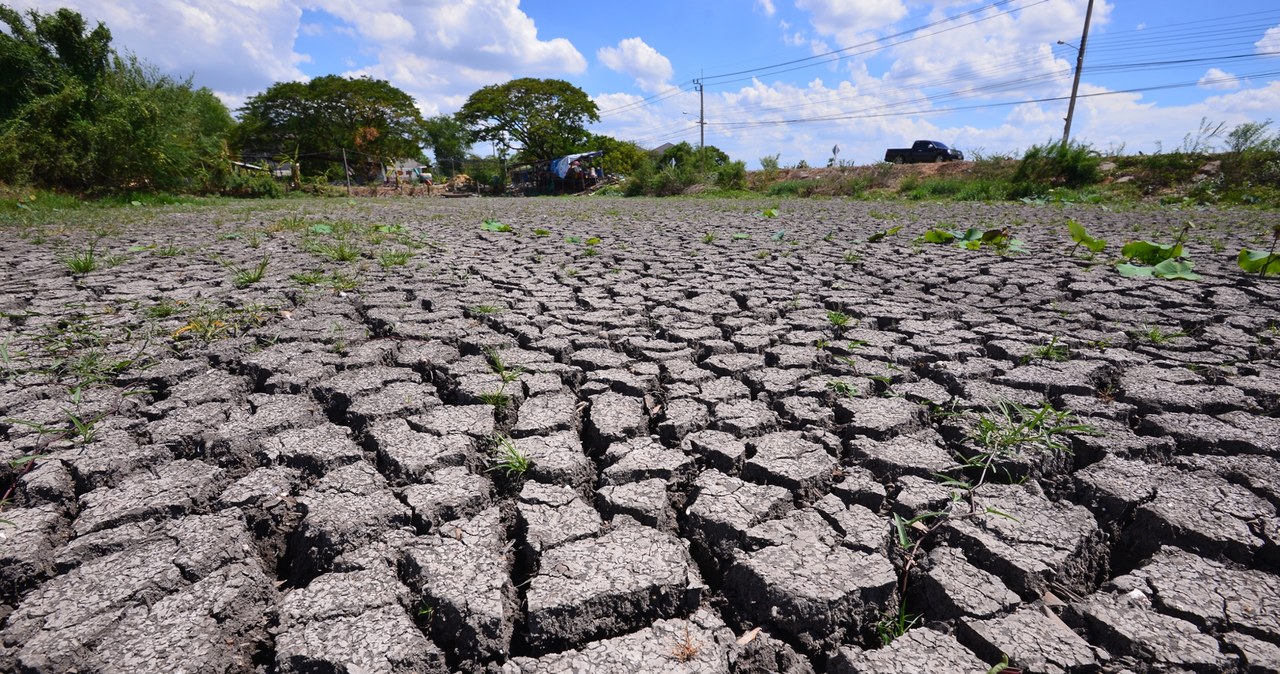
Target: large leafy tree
[(450, 142), (547, 118), (74, 114), (371, 119)]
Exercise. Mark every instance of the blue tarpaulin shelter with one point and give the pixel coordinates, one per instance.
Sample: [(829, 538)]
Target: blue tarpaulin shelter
[(560, 166)]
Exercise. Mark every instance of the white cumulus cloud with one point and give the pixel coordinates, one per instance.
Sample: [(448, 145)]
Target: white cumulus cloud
[(633, 57), (1270, 42), (1218, 79)]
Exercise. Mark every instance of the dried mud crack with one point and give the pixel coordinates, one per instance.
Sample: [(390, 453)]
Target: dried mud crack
[(634, 436)]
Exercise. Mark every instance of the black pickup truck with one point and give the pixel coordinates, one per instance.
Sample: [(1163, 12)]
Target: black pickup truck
[(923, 151)]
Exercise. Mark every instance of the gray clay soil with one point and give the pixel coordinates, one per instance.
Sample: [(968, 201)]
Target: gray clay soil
[(298, 473)]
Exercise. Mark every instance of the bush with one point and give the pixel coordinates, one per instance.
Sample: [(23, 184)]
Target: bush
[(732, 176), (791, 188), (1056, 165), (252, 185)]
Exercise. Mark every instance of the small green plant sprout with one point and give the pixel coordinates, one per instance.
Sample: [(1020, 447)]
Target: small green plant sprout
[(1010, 428), (1082, 238), (508, 459), (243, 278), (590, 251), (572, 239), (778, 235), (593, 241), (851, 257), (838, 320), (770, 213), (341, 282), (708, 237), (1052, 350), (1147, 259), (842, 388), (394, 258), (484, 309), (1156, 335), (740, 236), (169, 249), (83, 261), (883, 234), (499, 367), (1256, 261), (310, 277), (541, 232), (762, 254), (1003, 667), (896, 624), (7, 356)]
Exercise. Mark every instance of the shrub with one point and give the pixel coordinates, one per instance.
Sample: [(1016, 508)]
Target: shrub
[(251, 185), (790, 188), (732, 176), (1056, 165)]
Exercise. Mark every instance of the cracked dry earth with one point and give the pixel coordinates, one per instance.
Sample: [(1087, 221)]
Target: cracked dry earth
[(299, 475)]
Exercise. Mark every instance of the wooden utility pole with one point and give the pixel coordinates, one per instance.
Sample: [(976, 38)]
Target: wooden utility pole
[(1075, 85)]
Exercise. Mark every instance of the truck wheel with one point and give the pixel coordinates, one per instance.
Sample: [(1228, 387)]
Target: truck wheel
[(897, 160), (938, 159)]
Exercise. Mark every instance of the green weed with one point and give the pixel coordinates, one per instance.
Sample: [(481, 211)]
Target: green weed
[(394, 258), (245, 277), (507, 459), (83, 261)]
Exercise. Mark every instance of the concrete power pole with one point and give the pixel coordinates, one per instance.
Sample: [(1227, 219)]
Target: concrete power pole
[(1075, 85)]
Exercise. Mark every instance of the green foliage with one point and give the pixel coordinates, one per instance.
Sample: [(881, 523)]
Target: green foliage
[(1149, 252), (732, 175), (1260, 262), (490, 225), (508, 460), (244, 277), (1000, 239), (450, 141), (83, 261), (838, 319), (1055, 165), (1158, 260), (1082, 238), (1015, 428), (842, 388), (75, 115), (620, 157), (371, 119), (1174, 269), (546, 117), (894, 625), (394, 258), (883, 234), (1052, 351)]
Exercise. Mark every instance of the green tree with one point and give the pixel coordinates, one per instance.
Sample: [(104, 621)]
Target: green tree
[(42, 59), (547, 118), (620, 156), (370, 119), (450, 143), (77, 115)]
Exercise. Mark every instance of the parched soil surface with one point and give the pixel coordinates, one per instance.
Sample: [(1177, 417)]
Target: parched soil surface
[(630, 436)]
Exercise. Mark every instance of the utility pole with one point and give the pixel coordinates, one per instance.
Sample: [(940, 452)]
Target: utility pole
[(702, 128), (346, 171), (1075, 85)]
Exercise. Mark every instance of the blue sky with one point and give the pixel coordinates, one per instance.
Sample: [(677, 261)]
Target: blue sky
[(782, 77)]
